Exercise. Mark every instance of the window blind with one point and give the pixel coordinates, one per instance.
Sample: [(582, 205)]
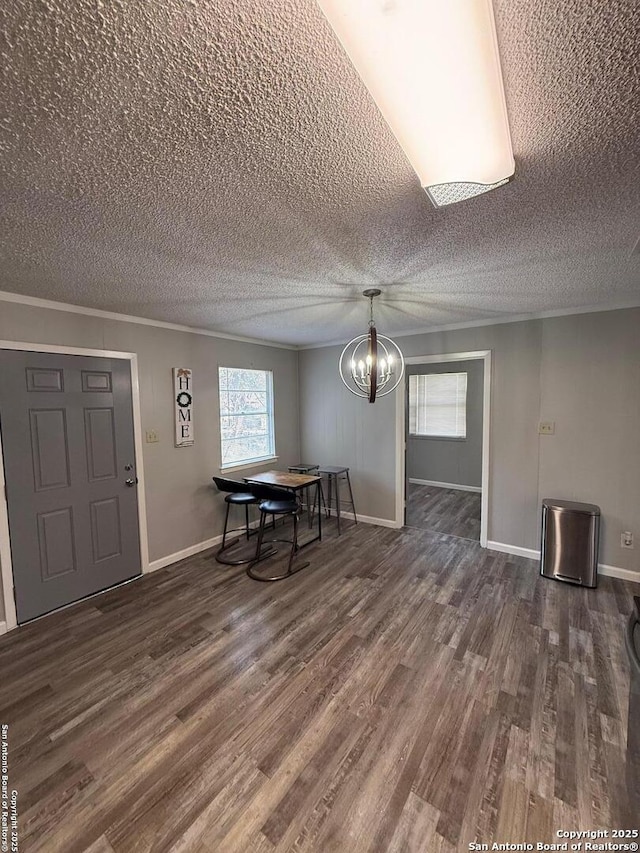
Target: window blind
[(438, 405)]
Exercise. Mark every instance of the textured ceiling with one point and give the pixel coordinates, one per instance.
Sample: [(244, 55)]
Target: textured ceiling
[(218, 163)]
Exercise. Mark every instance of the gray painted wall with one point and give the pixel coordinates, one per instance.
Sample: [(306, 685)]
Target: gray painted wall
[(446, 460), (581, 371), (337, 428), (183, 508), (590, 387)]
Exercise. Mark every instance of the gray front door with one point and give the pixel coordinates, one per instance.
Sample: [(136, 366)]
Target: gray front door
[(68, 447)]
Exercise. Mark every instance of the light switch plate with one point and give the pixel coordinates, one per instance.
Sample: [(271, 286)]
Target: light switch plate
[(547, 427), (152, 436)]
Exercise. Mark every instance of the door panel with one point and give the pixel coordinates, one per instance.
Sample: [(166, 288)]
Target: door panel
[(49, 444), (105, 529), (93, 380), (67, 434), (44, 380), (56, 540), (100, 439)]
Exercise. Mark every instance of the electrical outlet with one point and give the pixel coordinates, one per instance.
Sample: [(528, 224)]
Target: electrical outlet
[(626, 539), (152, 436), (547, 427)]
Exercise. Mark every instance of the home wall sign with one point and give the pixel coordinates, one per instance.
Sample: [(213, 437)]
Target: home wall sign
[(183, 396)]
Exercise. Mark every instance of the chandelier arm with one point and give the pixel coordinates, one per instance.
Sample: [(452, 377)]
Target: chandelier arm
[(357, 340)]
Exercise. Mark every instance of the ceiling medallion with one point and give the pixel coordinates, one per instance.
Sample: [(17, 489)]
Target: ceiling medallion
[(371, 365)]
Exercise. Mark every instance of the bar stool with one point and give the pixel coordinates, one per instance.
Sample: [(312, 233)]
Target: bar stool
[(238, 494), (334, 474), (302, 468), (275, 502)]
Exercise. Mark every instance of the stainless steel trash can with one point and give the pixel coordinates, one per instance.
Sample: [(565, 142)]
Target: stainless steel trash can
[(570, 536)]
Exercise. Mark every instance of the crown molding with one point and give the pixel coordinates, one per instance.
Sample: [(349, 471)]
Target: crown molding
[(36, 302), (497, 321)]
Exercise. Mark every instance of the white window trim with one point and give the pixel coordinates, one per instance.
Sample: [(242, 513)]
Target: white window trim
[(433, 436), (259, 460), (419, 437), (249, 463)]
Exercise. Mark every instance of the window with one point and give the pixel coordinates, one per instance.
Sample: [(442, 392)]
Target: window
[(246, 415), (438, 405)]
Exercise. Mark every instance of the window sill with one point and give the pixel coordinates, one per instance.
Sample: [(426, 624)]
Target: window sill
[(439, 437), (240, 466)]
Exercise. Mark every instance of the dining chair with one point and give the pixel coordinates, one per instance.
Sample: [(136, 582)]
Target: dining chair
[(275, 503), (238, 494)]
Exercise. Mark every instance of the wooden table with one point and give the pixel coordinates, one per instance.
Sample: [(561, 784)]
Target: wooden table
[(294, 483)]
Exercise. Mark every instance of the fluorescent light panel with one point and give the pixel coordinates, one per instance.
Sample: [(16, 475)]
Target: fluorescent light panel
[(433, 69)]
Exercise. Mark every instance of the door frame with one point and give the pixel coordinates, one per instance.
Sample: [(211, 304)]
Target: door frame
[(5, 537), (401, 395)]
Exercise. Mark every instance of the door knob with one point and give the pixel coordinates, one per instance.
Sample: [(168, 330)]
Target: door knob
[(131, 482)]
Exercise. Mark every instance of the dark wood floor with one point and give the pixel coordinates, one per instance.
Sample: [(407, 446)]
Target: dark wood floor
[(407, 692), (449, 511)]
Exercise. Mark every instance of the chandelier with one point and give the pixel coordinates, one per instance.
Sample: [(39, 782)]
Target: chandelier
[(371, 365)]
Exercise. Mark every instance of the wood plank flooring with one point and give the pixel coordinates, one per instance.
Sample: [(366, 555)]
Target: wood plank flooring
[(449, 511), (409, 691)]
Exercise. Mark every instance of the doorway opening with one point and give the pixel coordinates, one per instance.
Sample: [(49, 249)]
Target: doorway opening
[(443, 444)]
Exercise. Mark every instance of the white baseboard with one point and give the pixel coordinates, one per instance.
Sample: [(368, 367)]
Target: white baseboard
[(615, 572), (438, 485), (515, 550), (530, 553), (161, 563), (370, 519), (3, 628)]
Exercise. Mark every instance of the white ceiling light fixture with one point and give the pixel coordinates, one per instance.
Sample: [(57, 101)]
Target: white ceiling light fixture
[(371, 365), (433, 69)]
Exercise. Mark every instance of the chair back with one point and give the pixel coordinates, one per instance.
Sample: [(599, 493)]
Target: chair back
[(233, 486), (270, 493)]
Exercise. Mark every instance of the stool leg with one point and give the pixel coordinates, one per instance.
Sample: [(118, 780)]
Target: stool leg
[(353, 506), (224, 532), (263, 517), (294, 542), (246, 520), (338, 501), (320, 498), (328, 509)]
